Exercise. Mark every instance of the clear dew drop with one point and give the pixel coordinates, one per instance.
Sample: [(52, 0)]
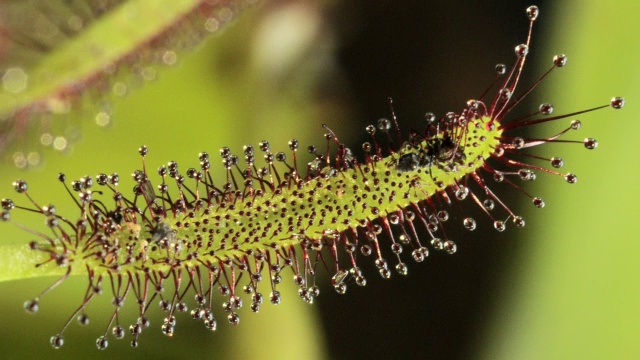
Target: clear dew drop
[(341, 288), (404, 239), (275, 297), (169, 57), (384, 125), (170, 320), (461, 193), (499, 225), (521, 50), (182, 307), (402, 269), (437, 244), (120, 89), (518, 142), (560, 60), (257, 298), (381, 263), (167, 330), (56, 341), (298, 280), (505, 94), (575, 124), (208, 315), (417, 256), (234, 319), (255, 307), (450, 247), (118, 332), (557, 162), (211, 324), (135, 329), (211, 24), (19, 160), (571, 178), (430, 117), (7, 204), (200, 299), (276, 278), (518, 221), (489, 204), (469, 224), (546, 109), (526, 174), (350, 248), (396, 248), (538, 202), (235, 302), (102, 343), (148, 73), (443, 215), (617, 102), (225, 152), (590, 143), (15, 80), (304, 294), (501, 69), (394, 219), (371, 130), (31, 306), (83, 319), (385, 273), (20, 186), (103, 119), (197, 314), (533, 12)]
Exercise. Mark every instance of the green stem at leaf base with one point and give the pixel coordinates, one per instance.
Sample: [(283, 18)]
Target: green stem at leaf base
[(17, 262)]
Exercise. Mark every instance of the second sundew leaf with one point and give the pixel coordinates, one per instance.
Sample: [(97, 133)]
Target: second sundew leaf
[(120, 34), (48, 73)]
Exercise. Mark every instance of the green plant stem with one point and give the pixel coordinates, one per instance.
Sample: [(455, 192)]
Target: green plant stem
[(17, 262)]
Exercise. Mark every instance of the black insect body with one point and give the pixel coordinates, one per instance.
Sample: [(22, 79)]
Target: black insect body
[(442, 151)]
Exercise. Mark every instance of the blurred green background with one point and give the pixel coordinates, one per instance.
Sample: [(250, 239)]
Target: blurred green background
[(564, 287)]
